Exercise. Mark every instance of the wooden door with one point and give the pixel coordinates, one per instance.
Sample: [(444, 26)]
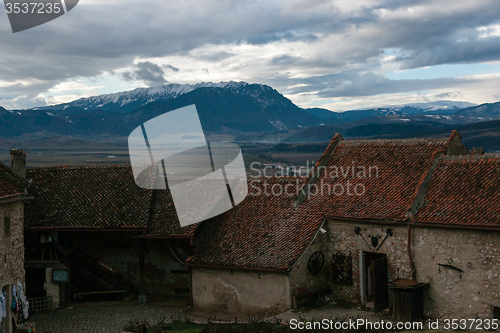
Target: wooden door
[(380, 287)]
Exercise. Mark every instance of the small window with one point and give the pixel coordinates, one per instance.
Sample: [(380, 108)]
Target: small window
[(6, 224), (179, 271), (342, 269), (496, 312)]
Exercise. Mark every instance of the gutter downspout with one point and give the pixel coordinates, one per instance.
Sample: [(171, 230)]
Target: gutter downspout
[(191, 299), (410, 256)]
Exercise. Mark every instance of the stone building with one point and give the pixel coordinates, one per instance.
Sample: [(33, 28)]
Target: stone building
[(247, 257), (426, 213), (12, 197), (114, 238), (371, 212), (458, 224), (258, 256)]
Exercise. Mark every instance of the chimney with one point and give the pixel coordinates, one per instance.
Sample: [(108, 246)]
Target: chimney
[(477, 151), (18, 162)]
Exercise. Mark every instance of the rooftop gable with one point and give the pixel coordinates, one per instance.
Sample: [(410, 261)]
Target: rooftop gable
[(463, 191), (375, 179), (86, 197), (264, 231), (11, 185), (164, 222), (100, 197)]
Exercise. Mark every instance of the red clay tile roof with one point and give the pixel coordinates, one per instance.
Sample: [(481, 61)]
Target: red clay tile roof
[(266, 231), (165, 222), (103, 197), (10, 184), (386, 194), (263, 231), (463, 191), (99, 197)]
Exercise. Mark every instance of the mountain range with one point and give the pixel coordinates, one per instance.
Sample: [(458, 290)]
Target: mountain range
[(127, 101), (237, 111), (430, 108), (223, 108)]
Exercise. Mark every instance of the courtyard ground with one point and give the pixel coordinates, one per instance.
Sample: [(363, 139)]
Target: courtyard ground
[(111, 317)]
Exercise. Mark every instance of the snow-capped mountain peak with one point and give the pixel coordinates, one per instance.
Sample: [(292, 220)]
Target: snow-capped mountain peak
[(132, 99)]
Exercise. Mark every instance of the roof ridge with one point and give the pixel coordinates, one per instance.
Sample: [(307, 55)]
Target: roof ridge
[(471, 157), (463, 192), (16, 180), (418, 197), (452, 136), (403, 141), (81, 166)]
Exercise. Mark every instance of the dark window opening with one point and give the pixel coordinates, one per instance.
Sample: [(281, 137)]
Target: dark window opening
[(341, 269), (6, 224), (179, 271), (496, 312)]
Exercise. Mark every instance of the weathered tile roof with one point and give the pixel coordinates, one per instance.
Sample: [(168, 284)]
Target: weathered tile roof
[(463, 191), (103, 197), (164, 222), (387, 174), (263, 231), (268, 231), (99, 197), (10, 184)]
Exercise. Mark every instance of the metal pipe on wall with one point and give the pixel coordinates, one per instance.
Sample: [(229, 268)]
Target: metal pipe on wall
[(410, 257)]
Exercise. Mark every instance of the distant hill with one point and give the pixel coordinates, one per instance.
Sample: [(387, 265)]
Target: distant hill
[(128, 101), (257, 109), (431, 108), (315, 134), (235, 109), (405, 123), (321, 113), (395, 130), (484, 134), (488, 111)]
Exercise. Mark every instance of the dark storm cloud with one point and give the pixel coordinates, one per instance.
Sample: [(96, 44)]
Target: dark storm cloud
[(147, 72), (107, 36), (352, 84), (288, 36), (172, 68), (470, 51), (336, 37), (284, 60)]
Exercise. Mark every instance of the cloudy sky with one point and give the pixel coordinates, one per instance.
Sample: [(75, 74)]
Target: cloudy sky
[(334, 54)]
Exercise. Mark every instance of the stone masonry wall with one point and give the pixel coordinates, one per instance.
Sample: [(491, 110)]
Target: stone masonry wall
[(343, 239), (52, 289), (12, 248), (11, 252), (301, 277), (238, 291), (477, 253)]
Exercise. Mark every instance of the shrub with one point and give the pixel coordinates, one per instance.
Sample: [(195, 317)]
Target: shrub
[(137, 326)]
